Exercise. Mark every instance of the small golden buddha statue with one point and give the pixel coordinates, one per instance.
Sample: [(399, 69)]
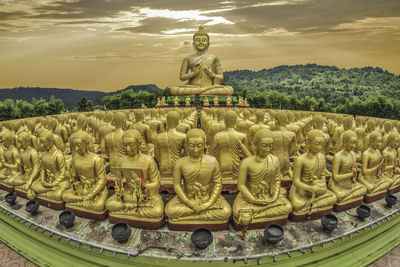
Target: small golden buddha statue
[(137, 200), (197, 183), (155, 123), (53, 180), (215, 127), (246, 104), (229, 149), (343, 182), (240, 101), (206, 103), (163, 101), (87, 196), (11, 161), (390, 168), (309, 194), (215, 101), (30, 163), (387, 130), (169, 147), (81, 126), (371, 127), (187, 101), (371, 170), (202, 70), (229, 101), (52, 124), (176, 101), (144, 130), (105, 128), (158, 102), (260, 188), (255, 127)]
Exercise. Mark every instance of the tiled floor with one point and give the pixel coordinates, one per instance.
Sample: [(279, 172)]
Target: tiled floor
[(10, 258)]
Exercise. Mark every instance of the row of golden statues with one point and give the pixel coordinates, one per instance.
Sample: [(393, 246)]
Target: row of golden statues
[(261, 153)]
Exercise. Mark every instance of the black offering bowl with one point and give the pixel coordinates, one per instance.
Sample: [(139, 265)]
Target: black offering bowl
[(121, 232), (10, 198), (273, 233), (202, 238), (329, 222), (390, 200), (363, 212), (32, 207), (67, 218)]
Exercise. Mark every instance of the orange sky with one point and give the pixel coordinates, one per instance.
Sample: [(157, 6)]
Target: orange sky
[(108, 45)]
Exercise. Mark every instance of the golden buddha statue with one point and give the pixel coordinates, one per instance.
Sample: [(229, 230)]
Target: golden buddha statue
[(260, 114), (371, 127), (145, 131), (158, 102), (137, 201), (206, 103), (361, 133), (370, 175), (229, 101), (387, 130), (215, 127), (52, 124), (343, 183), (155, 123), (390, 168), (169, 147), (11, 161), (176, 101), (309, 194), (187, 101), (113, 141), (229, 149), (81, 126), (240, 101), (105, 128), (34, 140), (30, 164), (260, 188), (202, 70), (215, 101), (246, 103), (87, 196), (197, 183), (53, 181), (163, 101), (296, 129)]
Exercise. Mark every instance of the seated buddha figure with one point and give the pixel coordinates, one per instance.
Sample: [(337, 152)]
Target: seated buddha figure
[(202, 70), (11, 161), (197, 183), (371, 169), (137, 200), (30, 164), (343, 183), (87, 196), (260, 188), (390, 166), (53, 180), (309, 194)]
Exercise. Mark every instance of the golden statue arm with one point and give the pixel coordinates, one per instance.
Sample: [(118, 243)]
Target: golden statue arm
[(217, 188), (184, 75), (153, 185), (16, 159), (100, 174), (62, 173), (241, 183), (276, 184), (35, 170), (178, 187), (297, 179), (365, 170)]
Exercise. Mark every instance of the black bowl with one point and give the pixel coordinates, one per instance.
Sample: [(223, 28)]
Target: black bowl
[(10, 198), (202, 238), (67, 218), (329, 222), (32, 207), (121, 232), (363, 212), (273, 233), (390, 200)]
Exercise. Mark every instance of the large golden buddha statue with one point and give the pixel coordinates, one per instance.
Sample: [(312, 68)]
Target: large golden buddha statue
[(259, 184), (197, 183), (53, 179), (87, 196), (137, 201), (343, 183), (202, 70), (309, 194), (390, 166), (370, 175)]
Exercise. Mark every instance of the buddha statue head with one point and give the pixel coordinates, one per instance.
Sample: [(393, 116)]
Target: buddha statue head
[(393, 140), (201, 40), (81, 142), (139, 115), (263, 141), (131, 139), (220, 114), (120, 120), (246, 114), (388, 126), (51, 123), (375, 140), (280, 118), (172, 119), (81, 122), (230, 119), (348, 123), (315, 141), (47, 140), (260, 115), (318, 122), (371, 124), (24, 138), (349, 140), (196, 140), (8, 139), (109, 116)]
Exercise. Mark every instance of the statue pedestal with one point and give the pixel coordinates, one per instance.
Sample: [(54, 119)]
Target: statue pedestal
[(374, 197), (7, 188), (393, 190), (21, 193), (137, 222), (99, 216), (305, 216), (348, 205), (57, 205), (259, 225), (212, 226)]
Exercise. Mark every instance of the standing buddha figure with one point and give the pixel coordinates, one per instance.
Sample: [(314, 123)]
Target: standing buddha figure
[(169, 147), (390, 168), (202, 70), (53, 180), (197, 183), (137, 201), (343, 183), (87, 196), (309, 194), (259, 183), (371, 170)]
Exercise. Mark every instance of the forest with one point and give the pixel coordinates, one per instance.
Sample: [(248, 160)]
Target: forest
[(364, 91)]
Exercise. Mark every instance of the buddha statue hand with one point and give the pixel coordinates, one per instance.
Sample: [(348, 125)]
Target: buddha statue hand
[(209, 72), (319, 187)]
